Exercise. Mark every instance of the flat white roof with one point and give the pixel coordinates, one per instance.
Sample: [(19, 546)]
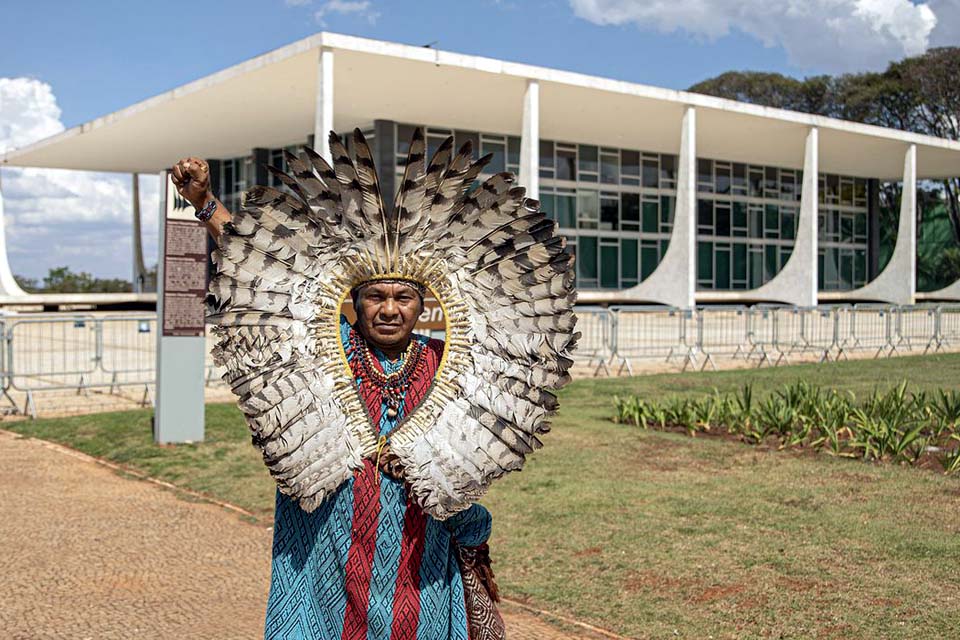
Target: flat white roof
[(269, 101)]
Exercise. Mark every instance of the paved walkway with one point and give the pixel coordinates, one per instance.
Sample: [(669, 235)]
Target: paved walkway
[(89, 554)]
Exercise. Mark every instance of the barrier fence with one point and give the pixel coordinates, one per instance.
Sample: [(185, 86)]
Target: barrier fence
[(82, 352), (762, 334)]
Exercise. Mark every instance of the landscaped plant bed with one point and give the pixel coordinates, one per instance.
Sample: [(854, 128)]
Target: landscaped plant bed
[(895, 425)]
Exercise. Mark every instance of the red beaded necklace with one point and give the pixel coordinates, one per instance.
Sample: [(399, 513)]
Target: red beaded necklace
[(393, 386)]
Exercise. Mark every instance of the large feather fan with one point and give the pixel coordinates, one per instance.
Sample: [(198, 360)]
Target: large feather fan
[(494, 261)]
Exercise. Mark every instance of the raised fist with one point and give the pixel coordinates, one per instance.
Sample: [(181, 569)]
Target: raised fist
[(191, 177)]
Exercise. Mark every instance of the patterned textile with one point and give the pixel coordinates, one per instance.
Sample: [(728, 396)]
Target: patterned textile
[(369, 563)]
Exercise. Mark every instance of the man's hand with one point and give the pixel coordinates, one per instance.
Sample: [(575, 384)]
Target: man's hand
[(191, 177)]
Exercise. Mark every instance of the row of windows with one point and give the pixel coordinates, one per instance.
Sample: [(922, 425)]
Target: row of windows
[(776, 183), (724, 219), (842, 268), (608, 211), (619, 263), (615, 263), (505, 150), (570, 162)]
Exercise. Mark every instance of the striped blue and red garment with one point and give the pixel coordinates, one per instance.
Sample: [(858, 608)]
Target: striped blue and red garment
[(369, 564)]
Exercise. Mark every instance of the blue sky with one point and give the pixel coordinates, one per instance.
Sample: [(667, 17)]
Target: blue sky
[(87, 59)]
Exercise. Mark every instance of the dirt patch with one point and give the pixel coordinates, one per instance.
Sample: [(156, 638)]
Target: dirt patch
[(587, 553), (719, 592)]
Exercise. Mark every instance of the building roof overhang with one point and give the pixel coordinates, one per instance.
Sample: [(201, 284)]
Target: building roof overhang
[(270, 100)]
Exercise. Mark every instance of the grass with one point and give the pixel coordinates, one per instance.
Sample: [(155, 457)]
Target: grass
[(654, 534)]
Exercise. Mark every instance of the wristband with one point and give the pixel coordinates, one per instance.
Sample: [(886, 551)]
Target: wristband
[(206, 212)]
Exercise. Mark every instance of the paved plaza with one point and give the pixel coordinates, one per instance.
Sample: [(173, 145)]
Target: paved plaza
[(90, 554)]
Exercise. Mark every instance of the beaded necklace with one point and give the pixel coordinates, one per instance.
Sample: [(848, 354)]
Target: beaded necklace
[(393, 386)]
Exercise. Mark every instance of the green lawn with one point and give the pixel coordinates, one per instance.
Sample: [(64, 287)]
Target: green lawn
[(655, 534)]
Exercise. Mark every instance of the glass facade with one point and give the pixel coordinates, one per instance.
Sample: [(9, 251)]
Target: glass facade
[(842, 230), (616, 208)]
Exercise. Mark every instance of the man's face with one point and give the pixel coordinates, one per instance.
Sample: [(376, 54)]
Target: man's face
[(387, 312)]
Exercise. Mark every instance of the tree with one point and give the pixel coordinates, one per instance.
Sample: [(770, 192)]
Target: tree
[(769, 89), (63, 280)]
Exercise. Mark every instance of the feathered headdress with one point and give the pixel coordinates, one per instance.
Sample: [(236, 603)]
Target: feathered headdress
[(491, 258)]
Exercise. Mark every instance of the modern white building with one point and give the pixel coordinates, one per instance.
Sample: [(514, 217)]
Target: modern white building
[(667, 197)]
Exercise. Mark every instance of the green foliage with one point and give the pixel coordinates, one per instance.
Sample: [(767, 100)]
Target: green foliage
[(895, 425), (63, 280)]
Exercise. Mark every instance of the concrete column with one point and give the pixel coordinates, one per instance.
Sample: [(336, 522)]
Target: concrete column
[(796, 283), (530, 141), (673, 282), (897, 283), (323, 109), (8, 284)]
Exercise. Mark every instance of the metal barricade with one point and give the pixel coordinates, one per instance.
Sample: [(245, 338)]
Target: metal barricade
[(643, 332), (595, 347), (723, 331), (915, 327), (761, 333), (871, 328), (948, 326)]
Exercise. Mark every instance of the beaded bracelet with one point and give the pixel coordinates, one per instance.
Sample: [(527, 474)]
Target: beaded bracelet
[(207, 212)]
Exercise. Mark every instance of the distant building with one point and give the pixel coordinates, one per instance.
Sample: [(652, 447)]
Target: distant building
[(666, 197)]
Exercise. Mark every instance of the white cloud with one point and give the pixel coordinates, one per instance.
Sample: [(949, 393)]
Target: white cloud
[(55, 217), (829, 35), (359, 8)]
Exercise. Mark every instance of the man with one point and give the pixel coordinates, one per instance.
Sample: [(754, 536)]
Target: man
[(368, 563)]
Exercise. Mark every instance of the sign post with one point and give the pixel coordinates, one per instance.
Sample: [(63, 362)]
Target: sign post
[(181, 341)]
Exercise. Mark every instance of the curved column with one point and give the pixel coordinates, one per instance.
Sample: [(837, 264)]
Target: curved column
[(8, 284), (530, 141), (796, 283), (896, 284), (323, 108), (673, 281)]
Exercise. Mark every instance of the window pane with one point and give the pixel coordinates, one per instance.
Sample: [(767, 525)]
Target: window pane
[(460, 137), (756, 221), (723, 179), (859, 268), (609, 266), (772, 221), (566, 211), (705, 175), (860, 227), (630, 211), (739, 219), (756, 269), (651, 173), (588, 160), (629, 261), (566, 164), (588, 209), (740, 262), (609, 169), (651, 216), (587, 259), (722, 257), (846, 228), (756, 182), (739, 179), (546, 159), (705, 216), (630, 166), (788, 224), (771, 262), (668, 171), (498, 162), (770, 183), (649, 258), (404, 136), (609, 213), (722, 213), (548, 205), (666, 211), (705, 261), (513, 150)]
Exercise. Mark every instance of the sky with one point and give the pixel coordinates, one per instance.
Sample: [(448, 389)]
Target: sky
[(65, 63)]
